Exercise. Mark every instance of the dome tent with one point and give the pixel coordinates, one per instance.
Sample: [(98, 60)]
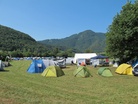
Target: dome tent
[(103, 71), (124, 69), (82, 71), (37, 66), (53, 71)]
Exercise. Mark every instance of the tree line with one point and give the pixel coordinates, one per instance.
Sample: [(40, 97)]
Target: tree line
[(17, 44)]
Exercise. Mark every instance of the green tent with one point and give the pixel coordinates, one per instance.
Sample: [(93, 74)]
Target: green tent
[(105, 72), (82, 71), (53, 71)]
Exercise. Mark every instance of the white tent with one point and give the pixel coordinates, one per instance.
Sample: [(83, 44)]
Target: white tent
[(69, 60), (60, 63), (115, 65), (49, 62), (83, 56)]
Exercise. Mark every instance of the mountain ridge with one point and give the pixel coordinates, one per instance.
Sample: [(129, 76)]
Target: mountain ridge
[(85, 40), (12, 40)]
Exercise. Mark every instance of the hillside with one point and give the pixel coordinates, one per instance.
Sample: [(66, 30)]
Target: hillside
[(13, 40), (81, 41)]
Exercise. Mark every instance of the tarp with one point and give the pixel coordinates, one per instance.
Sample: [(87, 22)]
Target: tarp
[(103, 71), (37, 66), (99, 57), (82, 71), (53, 71), (124, 69)]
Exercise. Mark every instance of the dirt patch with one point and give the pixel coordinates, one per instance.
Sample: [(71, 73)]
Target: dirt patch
[(8, 101)]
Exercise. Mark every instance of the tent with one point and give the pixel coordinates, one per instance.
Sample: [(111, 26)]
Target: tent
[(115, 64), (103, 71), (37, 66), (124, 69), (99, 57), (49, 62), (83, 56), (80, 61), (53, 71), (82, 71), (1, 66), (6, 64), (134, 62), (61, 63), (96, 60), (69, 60), (135, 70)]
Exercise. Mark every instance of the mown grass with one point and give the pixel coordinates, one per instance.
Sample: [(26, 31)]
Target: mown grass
[(19, 87)]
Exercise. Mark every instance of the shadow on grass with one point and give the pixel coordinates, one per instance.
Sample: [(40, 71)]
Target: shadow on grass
[(67, 67), (4, 70)]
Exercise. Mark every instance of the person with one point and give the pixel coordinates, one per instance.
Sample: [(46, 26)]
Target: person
[(83, 64), (95, 65), (107, 60), (72, 62), (113, 61)]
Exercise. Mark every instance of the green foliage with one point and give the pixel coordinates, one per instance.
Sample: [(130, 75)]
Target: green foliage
[(18, 44), (121, 38), (86, 40), (88, 51)]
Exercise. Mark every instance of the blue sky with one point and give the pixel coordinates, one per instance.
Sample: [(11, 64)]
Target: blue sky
[(56, 19)]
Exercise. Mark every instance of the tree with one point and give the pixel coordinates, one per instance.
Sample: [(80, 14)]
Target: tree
[(88, 51), (122, 35)]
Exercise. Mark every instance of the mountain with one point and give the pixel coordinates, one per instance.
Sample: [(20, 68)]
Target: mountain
[(12, 40), (86, 40), (21, 44)]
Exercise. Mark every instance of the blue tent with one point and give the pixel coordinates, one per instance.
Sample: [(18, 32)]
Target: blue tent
[(37, 66), (99, 57)]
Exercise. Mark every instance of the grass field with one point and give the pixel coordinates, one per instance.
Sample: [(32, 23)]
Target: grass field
[(19, 87)]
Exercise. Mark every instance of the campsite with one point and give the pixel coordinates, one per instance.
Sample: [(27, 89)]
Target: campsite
[(20, 87), (69, 52)]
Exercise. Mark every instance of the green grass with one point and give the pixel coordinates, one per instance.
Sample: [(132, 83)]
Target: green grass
[(19, 87)]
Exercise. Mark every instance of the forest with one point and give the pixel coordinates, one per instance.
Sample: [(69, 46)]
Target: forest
[(18, 44)]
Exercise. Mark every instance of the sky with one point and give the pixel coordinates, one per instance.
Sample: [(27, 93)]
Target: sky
[(56, 19)]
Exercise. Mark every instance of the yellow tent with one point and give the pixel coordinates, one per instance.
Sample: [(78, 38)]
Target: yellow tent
[(124, 69), (53, 71)]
